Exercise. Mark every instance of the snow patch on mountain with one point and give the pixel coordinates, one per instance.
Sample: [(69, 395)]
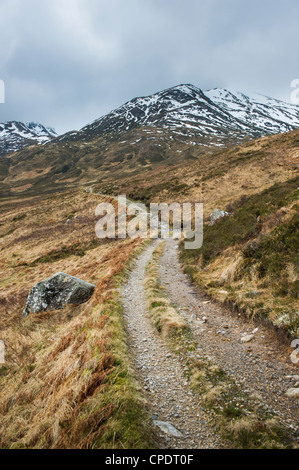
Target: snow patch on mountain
[(184, 113), (262, 111), (212, 117), (16, 135)]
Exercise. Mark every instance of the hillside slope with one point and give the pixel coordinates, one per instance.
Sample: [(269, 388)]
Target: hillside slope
[(253, 250), (250, 258), (168, 128), (68, 379)]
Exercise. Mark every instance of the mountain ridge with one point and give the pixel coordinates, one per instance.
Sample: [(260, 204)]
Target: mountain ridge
[(16, 135), (185, 113), (169, 128), (188, 111)]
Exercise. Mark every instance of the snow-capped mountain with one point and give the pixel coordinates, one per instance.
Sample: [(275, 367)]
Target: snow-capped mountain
[(17, 135), (173, 127), (212, 117), (183, 113), (269, 115)]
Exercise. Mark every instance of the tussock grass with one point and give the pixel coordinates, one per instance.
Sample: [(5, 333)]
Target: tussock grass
[(237, 417), (67, 381), (249, 432), (253, 256), (164, 316)]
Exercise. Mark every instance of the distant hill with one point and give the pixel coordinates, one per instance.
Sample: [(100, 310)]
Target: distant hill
[(172, 127), (213, 116), (15, 135)]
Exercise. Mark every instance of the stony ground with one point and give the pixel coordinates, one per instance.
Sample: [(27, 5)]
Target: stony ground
[(261, 367)]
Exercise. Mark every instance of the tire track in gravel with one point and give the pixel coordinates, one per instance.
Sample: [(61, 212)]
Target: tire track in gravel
[(260, 367), (161, 373)]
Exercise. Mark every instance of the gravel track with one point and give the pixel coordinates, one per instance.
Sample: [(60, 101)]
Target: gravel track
[(162, 374), (260, 367)]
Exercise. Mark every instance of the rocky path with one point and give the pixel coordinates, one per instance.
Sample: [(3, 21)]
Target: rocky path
[(261, 367), (162, 374)]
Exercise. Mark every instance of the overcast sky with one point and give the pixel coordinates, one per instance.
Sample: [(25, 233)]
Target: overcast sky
[(67, 62)]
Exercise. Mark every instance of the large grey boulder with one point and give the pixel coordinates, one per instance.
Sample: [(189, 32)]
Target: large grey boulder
[(55, 292), (217, 215)]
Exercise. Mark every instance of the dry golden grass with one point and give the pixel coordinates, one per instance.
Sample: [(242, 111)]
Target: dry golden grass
[(226, 280), (219, 178), (233, 413), (246, 430), (67, 382), (211, 396), (165, 317)]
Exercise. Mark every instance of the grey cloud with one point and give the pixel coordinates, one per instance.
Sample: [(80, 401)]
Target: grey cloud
[(67, 62)]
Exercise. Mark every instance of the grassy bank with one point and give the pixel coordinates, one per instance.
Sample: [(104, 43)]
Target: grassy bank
[(67, 381), (250, 259), (164, 316)]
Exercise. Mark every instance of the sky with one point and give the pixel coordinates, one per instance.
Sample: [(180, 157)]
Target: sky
[(65, 63)]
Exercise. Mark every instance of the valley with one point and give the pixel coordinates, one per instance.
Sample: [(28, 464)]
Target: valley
[(161, 339)]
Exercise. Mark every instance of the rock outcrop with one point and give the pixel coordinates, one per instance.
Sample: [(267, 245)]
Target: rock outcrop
[(57, 291)]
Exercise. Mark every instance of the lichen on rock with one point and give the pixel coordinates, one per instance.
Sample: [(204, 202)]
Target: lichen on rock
[(57, 291)]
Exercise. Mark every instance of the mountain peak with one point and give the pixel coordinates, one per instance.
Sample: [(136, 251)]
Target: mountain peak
[(185, 87), (211, 117), (183, 112), (15, 135)]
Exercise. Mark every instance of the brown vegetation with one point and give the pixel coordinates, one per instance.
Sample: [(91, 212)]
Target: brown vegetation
[(67, 381)]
